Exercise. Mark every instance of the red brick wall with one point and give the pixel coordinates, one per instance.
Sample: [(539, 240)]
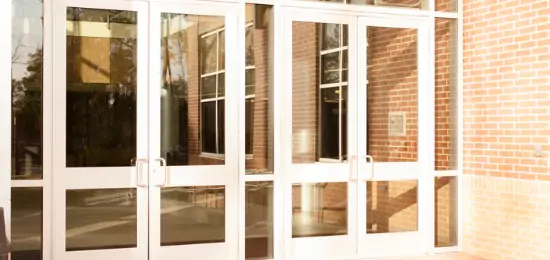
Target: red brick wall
[(506, 116)]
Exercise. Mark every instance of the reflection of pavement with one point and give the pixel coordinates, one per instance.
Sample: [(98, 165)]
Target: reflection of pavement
[(304, 226), (101, 223)]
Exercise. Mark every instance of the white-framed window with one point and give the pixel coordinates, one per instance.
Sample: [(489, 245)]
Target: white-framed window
[(212, 97), (212, 92), (333, 83)]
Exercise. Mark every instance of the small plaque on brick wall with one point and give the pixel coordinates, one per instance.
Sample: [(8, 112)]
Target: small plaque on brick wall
[(397, 124)]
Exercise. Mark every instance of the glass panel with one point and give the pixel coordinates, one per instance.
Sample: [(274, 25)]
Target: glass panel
[(221, 85), (26, 223), (192, 129), (249, 81), (392, 99), (192, 215), (259, 89), (446, 5), (330, 68), (330, 123), (26, 75), (331, 36), (345, 66), (414, 4), (446, 83), (101, 219), (392, 206), (319, 209), (208, 87), (209, 127), (249, 44), (259, 220), (208, 46), (446, 214), (101, 89), (221, 51), (318, 108), (249, 128)]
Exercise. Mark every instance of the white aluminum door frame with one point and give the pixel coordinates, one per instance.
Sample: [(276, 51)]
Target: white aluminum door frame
[(196, 175), (328, 247), (399, 243), (97, 177)]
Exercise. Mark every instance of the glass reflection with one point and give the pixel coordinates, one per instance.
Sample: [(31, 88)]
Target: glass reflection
[(446, 213), (27, 83), (259, 220), (319, 104), (101, 219), (392, 206), (192, 215), (258, 89), (193, 89), (392, 94), (26, 223), (101, 87), (319, 209)]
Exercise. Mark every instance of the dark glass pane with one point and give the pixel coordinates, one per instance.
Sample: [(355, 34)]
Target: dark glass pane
[(345, 37), (259, 220), (208, 87), (26, 223), (188, 127), (208, 122), (330, 68), (209, 55), (192, 215), (330, 123), (101, 219), (26, 84), (221, 126), (331, 36), (249, 127), (101, 93), (344, 119), (319, 209)]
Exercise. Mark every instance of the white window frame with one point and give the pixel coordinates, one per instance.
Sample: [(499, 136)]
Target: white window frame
[(340, 50)]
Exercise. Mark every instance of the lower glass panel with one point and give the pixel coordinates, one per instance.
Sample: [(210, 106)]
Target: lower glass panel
[(192, 215), (319, 209), (101, 219), (259, 220), (26, 223), (392, 206), (446, 225)]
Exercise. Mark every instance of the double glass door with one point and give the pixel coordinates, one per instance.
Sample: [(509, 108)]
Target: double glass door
[(145, 161), (358, 148)]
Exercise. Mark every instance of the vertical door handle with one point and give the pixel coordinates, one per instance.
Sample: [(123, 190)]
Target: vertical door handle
[(351, 161), (162, 163), (136, 163), (370, 160)]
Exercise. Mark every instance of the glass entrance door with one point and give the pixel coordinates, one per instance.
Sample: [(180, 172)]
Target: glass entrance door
[(357, 138), (193, 189), (144, 160), (395, 146)]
